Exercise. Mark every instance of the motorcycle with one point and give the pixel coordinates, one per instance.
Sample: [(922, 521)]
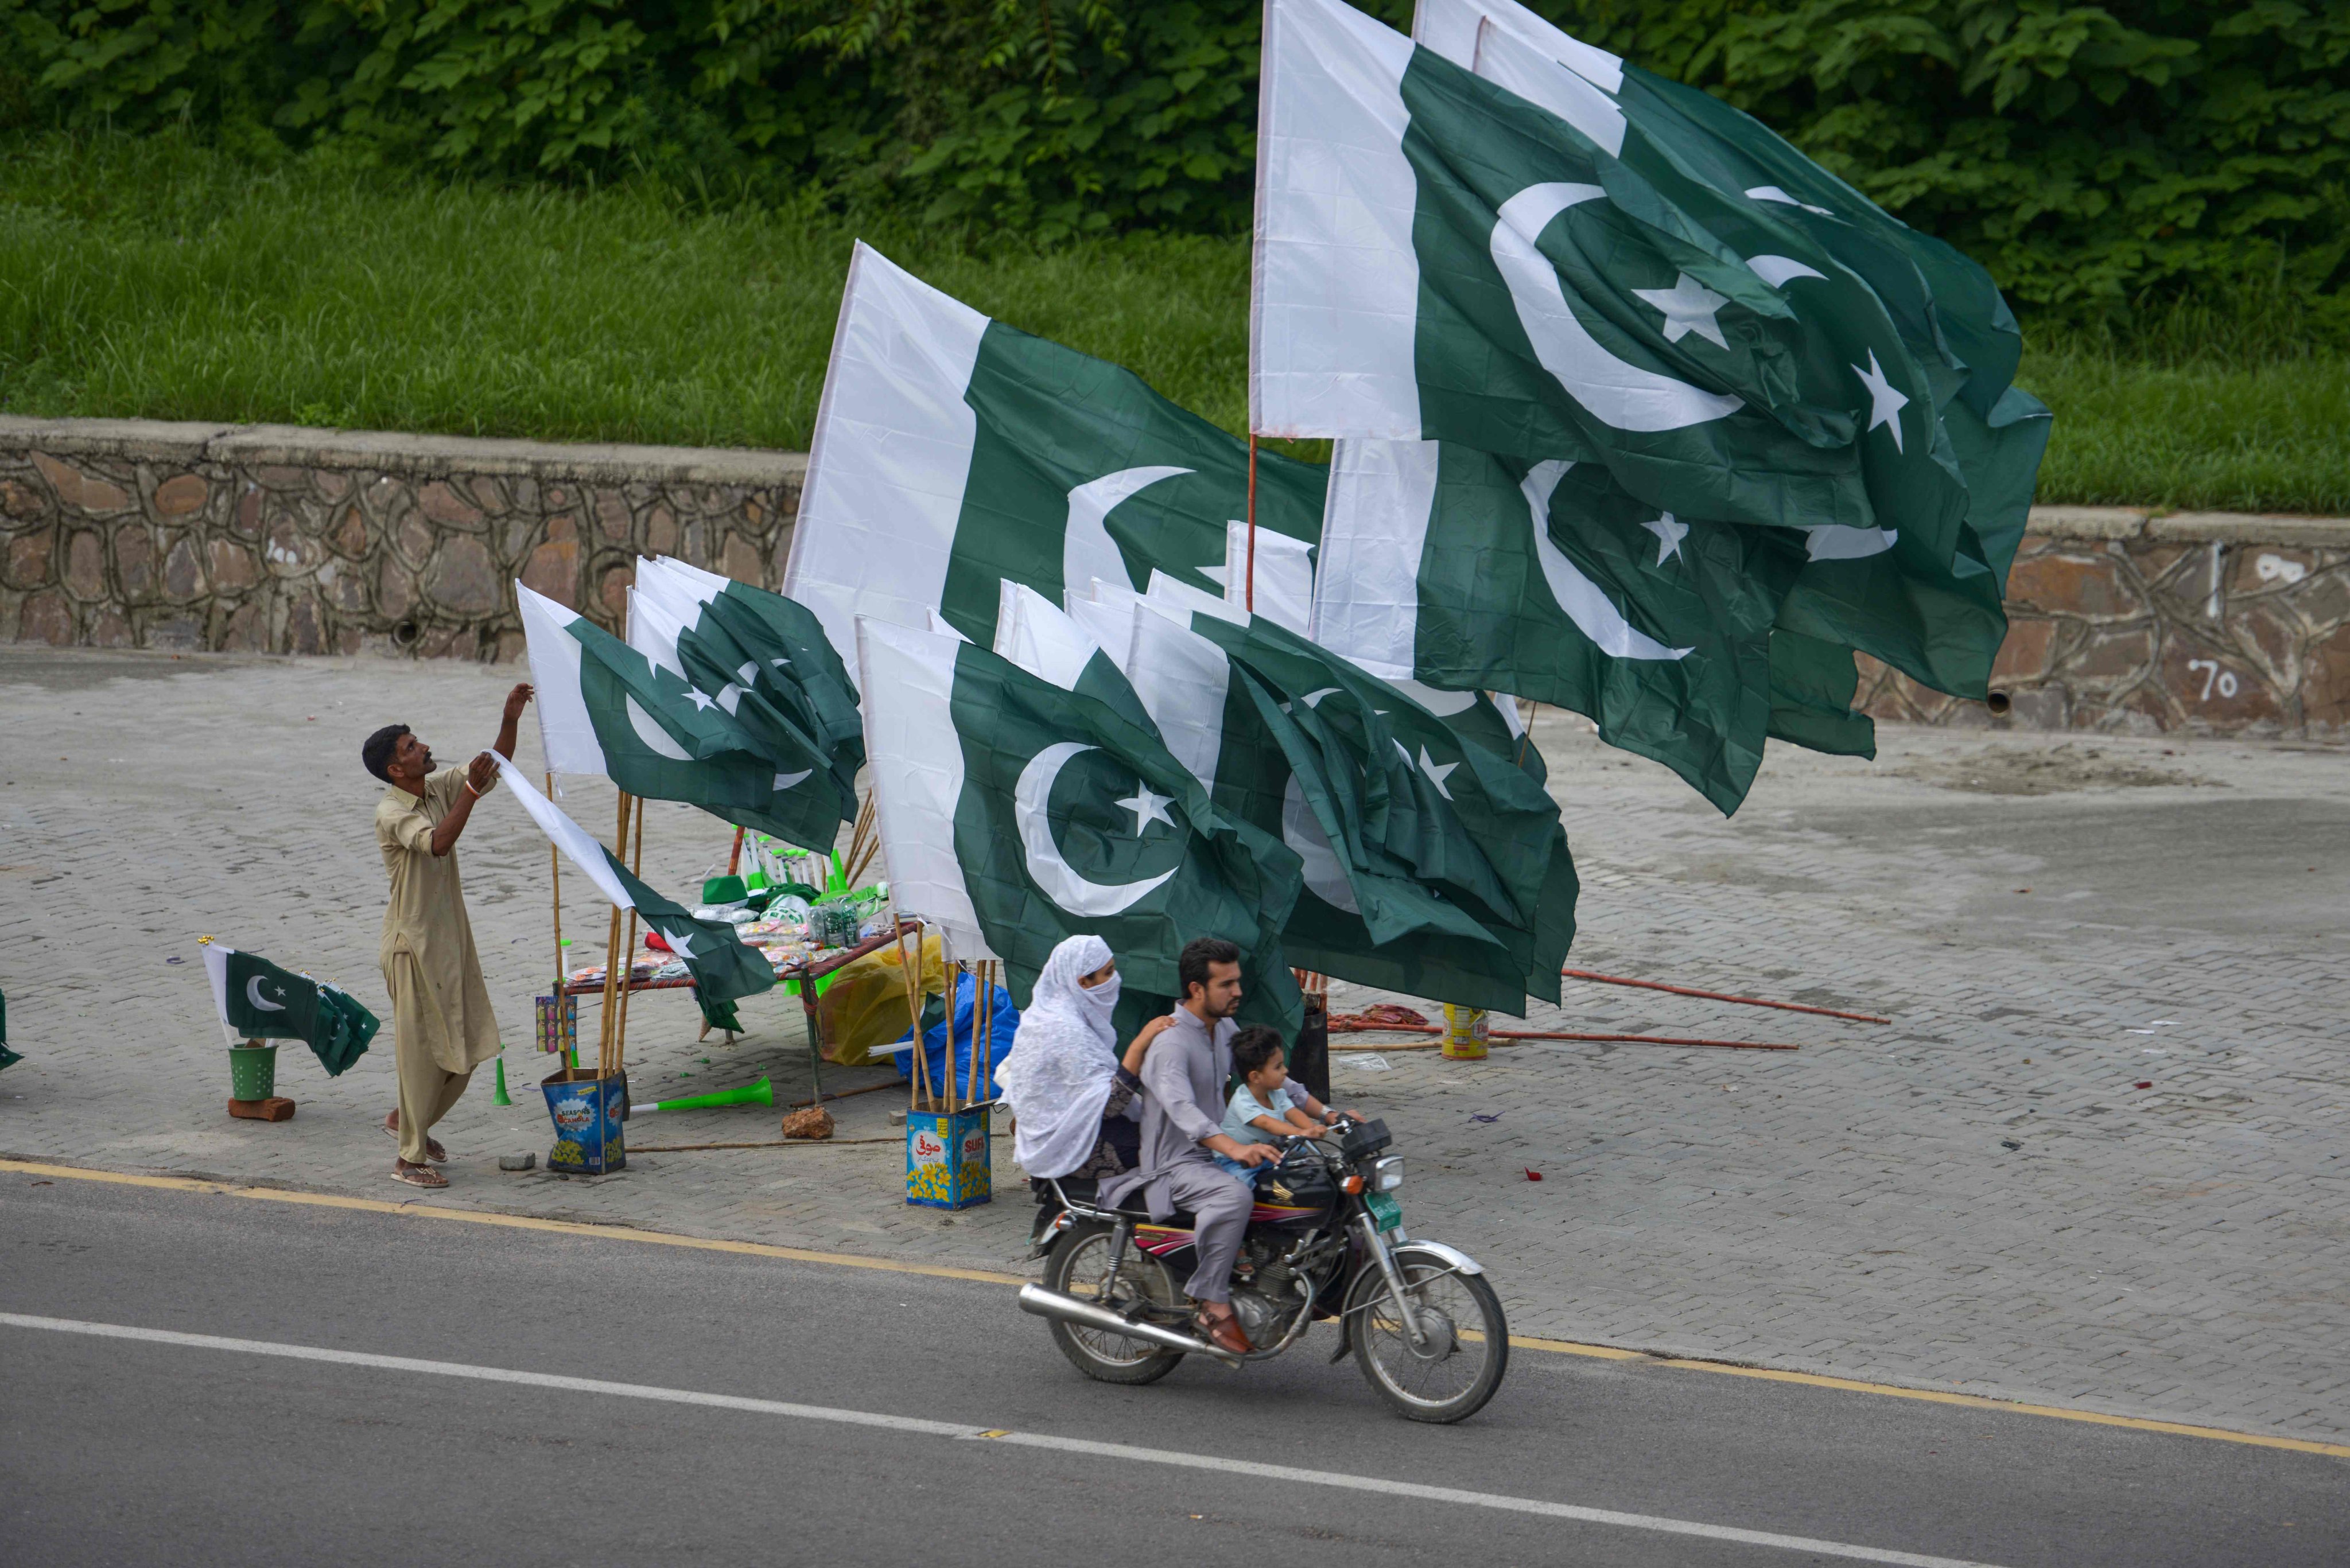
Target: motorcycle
[(1324, 1240)]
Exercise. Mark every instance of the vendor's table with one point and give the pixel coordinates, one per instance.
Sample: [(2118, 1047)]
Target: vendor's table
[(808, 971)]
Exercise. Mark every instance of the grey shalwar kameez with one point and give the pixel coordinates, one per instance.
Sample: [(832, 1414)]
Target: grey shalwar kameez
[(1183, 1082)]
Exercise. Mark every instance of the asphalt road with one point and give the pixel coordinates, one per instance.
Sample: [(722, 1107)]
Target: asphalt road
[(127, 1450)]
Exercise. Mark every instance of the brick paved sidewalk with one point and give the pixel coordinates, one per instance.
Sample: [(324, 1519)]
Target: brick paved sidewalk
[(1852, 1208)]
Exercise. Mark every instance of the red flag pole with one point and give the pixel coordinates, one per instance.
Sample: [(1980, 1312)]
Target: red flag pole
[(1249, 592)]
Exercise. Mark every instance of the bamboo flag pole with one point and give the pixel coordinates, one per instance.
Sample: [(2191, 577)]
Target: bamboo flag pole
[(911, 973), (611, 955), (628, 949)]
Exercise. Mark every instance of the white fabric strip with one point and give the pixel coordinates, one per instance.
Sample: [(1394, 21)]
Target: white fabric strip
[(1181, 677), (567, 835), (890, 455), (1181, 596), (1105, 613), (1035, 634), (1449, 27), (1335, 307), (1374, 534), (1285, 575), (916, 759), (565, 731), (1506, 59)]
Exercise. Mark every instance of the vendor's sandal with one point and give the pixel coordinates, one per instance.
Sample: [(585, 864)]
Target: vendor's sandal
[(432, 1149), (418, 1175)]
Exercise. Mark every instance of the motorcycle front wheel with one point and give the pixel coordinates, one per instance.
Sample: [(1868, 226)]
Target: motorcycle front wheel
[(1464, 1346), (1079, 1266)]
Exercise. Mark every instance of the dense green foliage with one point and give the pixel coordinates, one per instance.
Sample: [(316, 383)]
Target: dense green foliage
[(143, 276), (2094, 157)]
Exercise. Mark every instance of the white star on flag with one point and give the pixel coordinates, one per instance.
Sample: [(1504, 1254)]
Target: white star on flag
[(1670, 532), (1147, 808), (699, 697), (1689, 306), (1885, 404), (1436, 775), (679, 943)]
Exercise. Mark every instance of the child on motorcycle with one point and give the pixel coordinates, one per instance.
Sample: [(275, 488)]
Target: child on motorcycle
[(1265, 1106)]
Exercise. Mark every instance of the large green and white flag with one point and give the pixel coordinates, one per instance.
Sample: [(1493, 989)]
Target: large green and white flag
[(1462, 818), (1362, 914), (1547, 581), (1522, 269), (1938, 620), (766, 662), (953, 452), (1014, 814), (724, 968), (606, 708), (259, 1001)]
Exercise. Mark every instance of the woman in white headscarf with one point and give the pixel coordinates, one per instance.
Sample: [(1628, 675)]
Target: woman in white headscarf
[(1073, 1099)]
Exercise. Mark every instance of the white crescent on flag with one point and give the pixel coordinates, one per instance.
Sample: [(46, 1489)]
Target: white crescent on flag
[(1046, 866), (253, 995), (1086, 549), (1619, 394)]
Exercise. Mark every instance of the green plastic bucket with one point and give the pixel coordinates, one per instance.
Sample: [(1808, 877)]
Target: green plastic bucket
[(251, 1072)]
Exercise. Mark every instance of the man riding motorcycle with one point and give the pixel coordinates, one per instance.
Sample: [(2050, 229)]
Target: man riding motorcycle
[(1183, 1079)]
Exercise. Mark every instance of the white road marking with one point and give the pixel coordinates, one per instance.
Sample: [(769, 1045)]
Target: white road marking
[(914, 1423)]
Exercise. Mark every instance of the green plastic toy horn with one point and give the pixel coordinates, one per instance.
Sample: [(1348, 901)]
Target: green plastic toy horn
[(762, 1093)]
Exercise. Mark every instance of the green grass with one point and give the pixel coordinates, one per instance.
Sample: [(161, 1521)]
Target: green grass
[(152, 279)]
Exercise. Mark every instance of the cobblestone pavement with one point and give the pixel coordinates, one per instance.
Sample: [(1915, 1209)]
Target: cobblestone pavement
[(2100, 1157)]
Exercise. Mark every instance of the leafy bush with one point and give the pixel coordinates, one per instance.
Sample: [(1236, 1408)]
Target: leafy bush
[(2097, 157)]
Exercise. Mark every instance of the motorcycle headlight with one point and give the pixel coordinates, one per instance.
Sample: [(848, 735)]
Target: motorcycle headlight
[(1386, 1173)]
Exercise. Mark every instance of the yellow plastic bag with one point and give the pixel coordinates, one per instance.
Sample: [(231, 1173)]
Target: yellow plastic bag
[(865, 1006)]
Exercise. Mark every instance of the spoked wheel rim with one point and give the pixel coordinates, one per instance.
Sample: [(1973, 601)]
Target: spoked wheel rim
[(1141, 1280), (1463, 1341)]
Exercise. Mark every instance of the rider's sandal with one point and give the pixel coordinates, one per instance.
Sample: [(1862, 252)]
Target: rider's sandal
[(419, 1176)]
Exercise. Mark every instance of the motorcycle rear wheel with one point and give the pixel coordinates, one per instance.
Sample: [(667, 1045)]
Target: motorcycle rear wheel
[(1451, 1377), (1079, 1266)]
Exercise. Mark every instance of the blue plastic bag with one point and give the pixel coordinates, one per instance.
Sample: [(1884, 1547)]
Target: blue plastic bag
[(934, 1039)]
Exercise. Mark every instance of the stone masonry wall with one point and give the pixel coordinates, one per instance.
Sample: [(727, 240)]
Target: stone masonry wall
[(273, 539), (132, 534), (2219, 623)]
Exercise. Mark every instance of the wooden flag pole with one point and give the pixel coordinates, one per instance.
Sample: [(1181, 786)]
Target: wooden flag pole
[(734, 856), (621, 1041), (1526, 739), (1249, 593), (611, 967), (555, 866), (912, 976)]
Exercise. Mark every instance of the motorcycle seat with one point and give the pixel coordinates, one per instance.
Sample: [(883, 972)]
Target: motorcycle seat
[(1086, 1190)]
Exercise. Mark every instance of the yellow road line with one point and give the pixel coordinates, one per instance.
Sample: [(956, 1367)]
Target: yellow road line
[(511, 1221), (856, 1261)]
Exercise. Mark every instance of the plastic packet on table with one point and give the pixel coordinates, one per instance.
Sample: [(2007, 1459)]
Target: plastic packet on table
[(865, 1006)]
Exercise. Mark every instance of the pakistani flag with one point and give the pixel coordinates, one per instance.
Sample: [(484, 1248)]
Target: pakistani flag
[(1510, 257), (1460, 817), (259, 1001), (1880, 592), (724, 968), (1548, 581), (1014, 814), (766, 661), (604, 708), (1363, 914), (953, 452)]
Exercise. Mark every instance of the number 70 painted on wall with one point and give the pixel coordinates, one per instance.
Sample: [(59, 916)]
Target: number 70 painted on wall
[(2225, 679)]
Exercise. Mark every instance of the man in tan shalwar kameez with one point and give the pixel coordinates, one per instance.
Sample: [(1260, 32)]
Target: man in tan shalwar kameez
[(441, 1025)]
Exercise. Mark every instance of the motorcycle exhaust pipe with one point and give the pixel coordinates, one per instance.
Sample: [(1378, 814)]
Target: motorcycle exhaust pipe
[(1042, 1303)]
